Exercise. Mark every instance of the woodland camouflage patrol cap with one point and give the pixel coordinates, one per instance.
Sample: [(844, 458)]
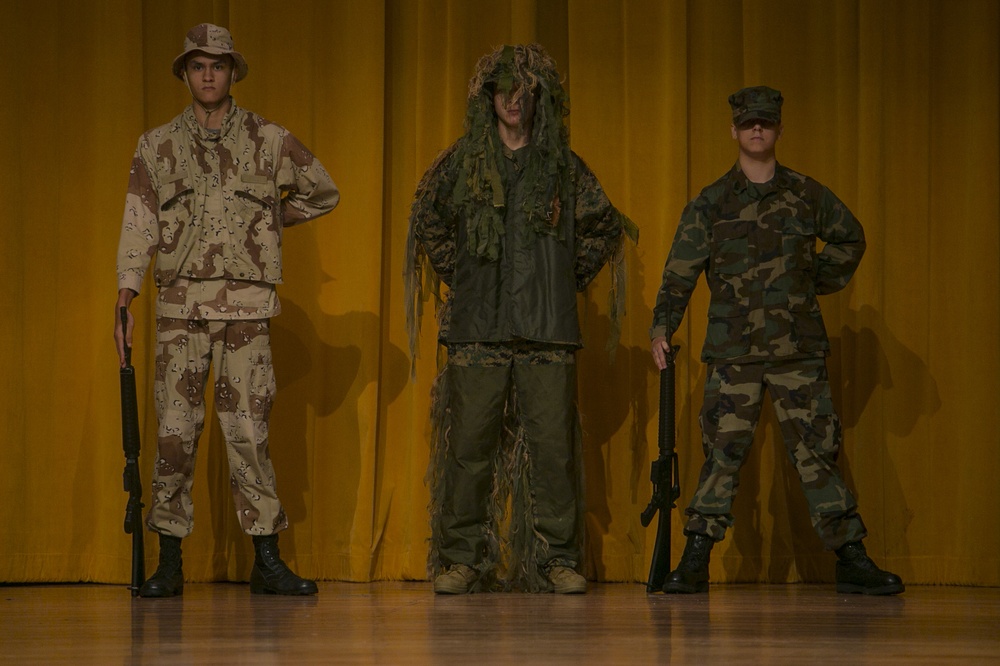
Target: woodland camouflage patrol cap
[(756, 103), (211, 39)]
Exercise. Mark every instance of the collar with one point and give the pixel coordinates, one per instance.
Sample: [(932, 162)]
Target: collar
[(194, 127), (739, 183), (517, 155)]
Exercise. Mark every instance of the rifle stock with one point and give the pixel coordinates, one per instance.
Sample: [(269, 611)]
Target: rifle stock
[(664, 473), (130, 476)]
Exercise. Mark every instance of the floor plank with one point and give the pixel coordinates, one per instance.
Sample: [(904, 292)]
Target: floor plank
[(405, 623)]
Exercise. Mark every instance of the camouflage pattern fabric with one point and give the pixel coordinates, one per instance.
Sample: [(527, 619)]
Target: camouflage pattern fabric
[(213, 39), (523, 352), (210, 205), (217, 299), (240, 355), (757, 246), (756, 103), (800, 392)]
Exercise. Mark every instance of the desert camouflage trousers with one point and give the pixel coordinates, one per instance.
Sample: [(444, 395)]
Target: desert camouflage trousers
[(482, 378), (239, 353), (810, 427)]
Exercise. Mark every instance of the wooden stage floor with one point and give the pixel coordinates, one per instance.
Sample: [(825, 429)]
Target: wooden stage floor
[(405, 623)]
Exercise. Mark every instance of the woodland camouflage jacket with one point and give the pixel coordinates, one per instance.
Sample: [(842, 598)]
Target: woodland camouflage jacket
[(529, 291), (212, 205), (757, 244)]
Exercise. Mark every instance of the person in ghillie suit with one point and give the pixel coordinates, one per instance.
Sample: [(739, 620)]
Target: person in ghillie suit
[(514, 223)]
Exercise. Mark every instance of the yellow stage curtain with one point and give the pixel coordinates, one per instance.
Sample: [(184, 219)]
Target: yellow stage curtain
[(893, 104)]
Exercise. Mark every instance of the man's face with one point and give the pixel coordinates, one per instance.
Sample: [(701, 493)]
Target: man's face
[(209, 77), (515, 109), (757, 137)]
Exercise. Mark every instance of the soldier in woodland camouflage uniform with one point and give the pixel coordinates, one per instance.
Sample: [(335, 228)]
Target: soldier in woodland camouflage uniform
[(753, 232), (208, 197), (514, 223)]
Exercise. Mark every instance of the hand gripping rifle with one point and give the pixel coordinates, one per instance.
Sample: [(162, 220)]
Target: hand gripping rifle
[(666, 480), (130, 477)]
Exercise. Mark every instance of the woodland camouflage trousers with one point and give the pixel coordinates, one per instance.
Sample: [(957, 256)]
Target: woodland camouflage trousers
[(810, 427)]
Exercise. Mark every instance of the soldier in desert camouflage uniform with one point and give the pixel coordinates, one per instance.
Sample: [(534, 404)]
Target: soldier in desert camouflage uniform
[(208, 197), (514, 223), (753, 233)]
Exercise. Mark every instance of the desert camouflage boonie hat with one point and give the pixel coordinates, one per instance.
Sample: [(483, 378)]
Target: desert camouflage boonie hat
[(214, 40), (756, 103)]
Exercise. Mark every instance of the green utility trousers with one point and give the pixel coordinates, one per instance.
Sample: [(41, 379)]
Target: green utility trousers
[(479, 392)]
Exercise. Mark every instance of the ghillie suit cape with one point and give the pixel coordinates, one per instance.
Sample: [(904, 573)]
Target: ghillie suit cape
[(466, 185)]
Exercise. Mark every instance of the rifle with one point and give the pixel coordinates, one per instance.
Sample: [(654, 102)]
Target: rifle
[(130, 477), (666, 480)]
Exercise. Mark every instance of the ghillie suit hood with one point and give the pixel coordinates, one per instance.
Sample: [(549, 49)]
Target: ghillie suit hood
[(520, 72)]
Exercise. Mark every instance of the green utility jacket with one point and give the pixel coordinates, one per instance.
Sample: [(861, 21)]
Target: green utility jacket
[(529, 291), (757, 245)]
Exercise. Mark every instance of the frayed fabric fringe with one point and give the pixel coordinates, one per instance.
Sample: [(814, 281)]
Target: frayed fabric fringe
[(515, 551)]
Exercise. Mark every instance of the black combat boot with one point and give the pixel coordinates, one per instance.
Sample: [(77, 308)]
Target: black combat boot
[(691, 574), (272, 576), (168, 580), (856, 573)]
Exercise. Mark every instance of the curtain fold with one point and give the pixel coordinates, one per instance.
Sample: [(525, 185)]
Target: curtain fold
[(895, 105)]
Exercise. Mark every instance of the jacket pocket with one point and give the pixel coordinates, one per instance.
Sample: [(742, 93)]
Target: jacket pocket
[(176, 213), (253, 217), (173, 189), (173, 192), (255, 202), (727, 335), (808, 329), (798, 243), (730, 251)]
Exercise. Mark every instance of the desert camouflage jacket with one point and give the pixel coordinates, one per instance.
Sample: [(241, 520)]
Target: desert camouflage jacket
[(757, 244), (211, 205), (529, 292)]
